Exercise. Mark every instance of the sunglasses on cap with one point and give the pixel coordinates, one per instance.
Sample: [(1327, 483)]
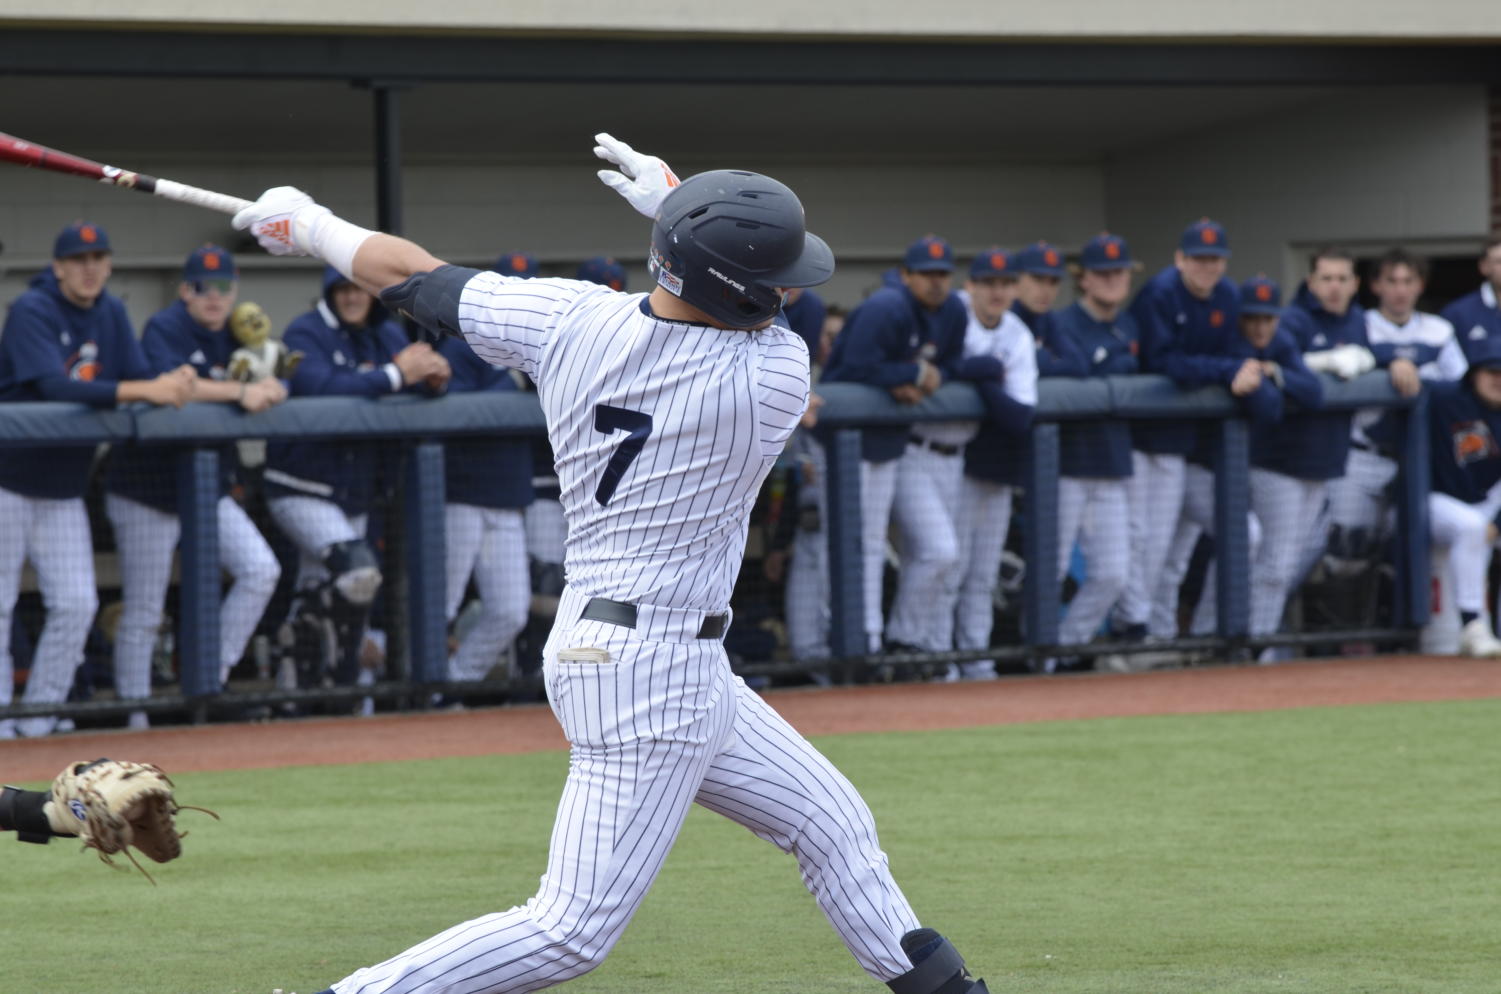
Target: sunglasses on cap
[(222, 287)]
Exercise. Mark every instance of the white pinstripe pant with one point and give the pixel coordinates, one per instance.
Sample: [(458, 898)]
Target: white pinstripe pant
[(54, 535), (1197, 520), (1096, 512), (147, 539), (983, 520), (1156, 493), (490, 543), (877, 491), (1285, 507), (927, 501), (661, 724)]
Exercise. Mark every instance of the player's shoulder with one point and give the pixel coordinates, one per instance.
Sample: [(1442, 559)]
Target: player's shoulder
[(1436, 325), (1467, 304), (779, 344)]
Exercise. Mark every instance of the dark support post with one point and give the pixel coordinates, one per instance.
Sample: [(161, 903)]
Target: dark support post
[(846, 561), (1232, 537), (424, 499), (387, 156), (198, 557), (1040, 593), (1413, 602)]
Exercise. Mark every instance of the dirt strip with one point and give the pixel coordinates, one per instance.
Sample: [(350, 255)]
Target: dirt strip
[(814, 712)]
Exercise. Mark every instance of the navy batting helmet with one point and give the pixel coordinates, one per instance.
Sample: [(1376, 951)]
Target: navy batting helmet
[(728, 241)]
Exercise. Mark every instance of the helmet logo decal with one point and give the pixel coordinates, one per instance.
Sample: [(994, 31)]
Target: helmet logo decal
[(725, 279), (662, 270)]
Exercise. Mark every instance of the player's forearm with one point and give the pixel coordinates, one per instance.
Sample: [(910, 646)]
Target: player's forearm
[(384, 260), (95, 393), (24, 812), (218, 391)]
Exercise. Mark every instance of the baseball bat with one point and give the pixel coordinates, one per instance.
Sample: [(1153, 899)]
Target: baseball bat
[(25, 153)]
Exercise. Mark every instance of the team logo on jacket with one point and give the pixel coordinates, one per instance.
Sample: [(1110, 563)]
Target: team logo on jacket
[(1477, 333), (339, 359), (84, 364), (1473, 442), (1319, 339), (1216, 318)]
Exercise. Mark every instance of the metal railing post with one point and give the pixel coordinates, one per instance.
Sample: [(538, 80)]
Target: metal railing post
[(1040, 593), (199, 590), (425, 495), (1413, 483), (1232, 539), (846, 561)]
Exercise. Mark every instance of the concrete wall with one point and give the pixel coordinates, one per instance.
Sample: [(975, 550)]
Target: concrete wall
[(1391, 166), (1398, 20)]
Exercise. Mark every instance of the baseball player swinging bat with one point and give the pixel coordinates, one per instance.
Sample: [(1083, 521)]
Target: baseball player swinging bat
[(25, 153)]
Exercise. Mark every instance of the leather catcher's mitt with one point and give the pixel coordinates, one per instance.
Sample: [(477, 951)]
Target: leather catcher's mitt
[(113, 804)]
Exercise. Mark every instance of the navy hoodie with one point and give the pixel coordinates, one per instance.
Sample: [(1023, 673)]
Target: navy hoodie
[(1097, 449), (485, 472), (1267, 406), (1320, 446), (338, 360), (880, 344), (148, 473), (1476, 320), (51, 349), (1463, 433)]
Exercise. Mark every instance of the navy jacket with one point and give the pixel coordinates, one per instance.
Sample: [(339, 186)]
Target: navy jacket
[(1097, 449), (880, 344), (1475, 318), (148, 473), (1056, 355), (805, 316), (485, 472), (1463, 433), (1269, 405), (1185, 338), (1321, 443), (52, 350), (337, 361)]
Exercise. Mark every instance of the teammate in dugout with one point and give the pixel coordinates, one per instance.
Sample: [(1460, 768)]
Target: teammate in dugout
[(1464, 506), (65, 339), (1476, 316), (320, 493), (1412, 347), (1095, 456), (666, 410), (603, 270), (1009, 393), (488, 484), (1186, 316), (906, 341), (141, 486)]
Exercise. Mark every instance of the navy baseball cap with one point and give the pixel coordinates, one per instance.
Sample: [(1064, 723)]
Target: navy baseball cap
[(522, 264), (1260, 295), (604, 271), (210, 262), (1204, 237), (1040, 259), (78, 238), (929, 254), (1106, 251), (994, 262)]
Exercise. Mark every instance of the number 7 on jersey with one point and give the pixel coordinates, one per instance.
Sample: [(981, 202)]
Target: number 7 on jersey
[(609, 419)]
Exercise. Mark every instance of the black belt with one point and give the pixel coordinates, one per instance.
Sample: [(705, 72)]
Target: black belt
[(624, 615), (939, 447)]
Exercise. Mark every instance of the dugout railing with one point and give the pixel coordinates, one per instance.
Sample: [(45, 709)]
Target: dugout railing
[(419, 652)]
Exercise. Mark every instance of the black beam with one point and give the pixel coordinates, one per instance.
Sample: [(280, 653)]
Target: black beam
[(497, 59)]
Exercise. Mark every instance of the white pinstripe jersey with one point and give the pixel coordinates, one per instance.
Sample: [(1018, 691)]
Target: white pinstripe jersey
[(662, 431)]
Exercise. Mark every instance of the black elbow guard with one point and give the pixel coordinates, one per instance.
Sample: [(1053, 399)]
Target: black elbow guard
[(23, 811), (431, 299)]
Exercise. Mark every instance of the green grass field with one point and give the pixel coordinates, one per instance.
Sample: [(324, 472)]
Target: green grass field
[(1350, 850)]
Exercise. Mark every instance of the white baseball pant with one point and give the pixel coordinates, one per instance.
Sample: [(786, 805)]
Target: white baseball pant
[(54, 535), (146, 539), (877, 492), (983, 520), (1284, 506), (1155, 490), (1198, 519), (657, 721), (1461, 528), (490, 544), (1093, 511), (1359, 498), (927, 498), (313, 524), (806, 596)]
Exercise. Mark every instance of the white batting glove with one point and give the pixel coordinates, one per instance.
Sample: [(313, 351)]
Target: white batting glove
[(282, 220), (643, 180)]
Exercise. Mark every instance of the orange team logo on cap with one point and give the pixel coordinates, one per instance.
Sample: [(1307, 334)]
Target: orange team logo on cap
[(997, 260), (1050, 257), (1263, 292), (1112, 250), (211, 261), (518, 262), (1208, 236), (935, 250), (88, 234), (1216, 318)]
